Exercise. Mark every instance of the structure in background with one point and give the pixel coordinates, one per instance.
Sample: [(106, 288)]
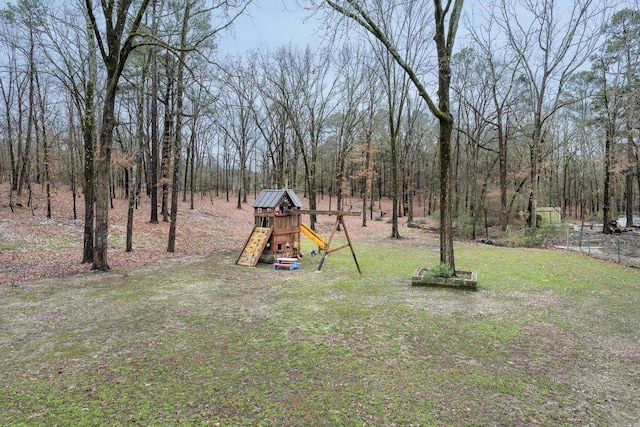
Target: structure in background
[(549, 215), (276, 231)]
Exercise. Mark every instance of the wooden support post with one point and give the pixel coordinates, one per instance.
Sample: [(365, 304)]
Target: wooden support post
[(328, 251)]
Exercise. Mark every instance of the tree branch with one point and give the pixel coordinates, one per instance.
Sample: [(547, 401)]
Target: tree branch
[(364, 20)]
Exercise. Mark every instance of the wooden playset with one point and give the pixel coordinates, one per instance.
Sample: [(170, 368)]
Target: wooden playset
[(277, 227), (276, 231)]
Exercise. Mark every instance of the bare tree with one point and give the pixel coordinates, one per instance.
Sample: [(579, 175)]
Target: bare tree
[(368, 147), (396, 86), (446, 17), (121, 26), (136, 155), (8, 87), (237, 119), (24, 21), (500, 67), (154, 152), (615, 71), (623, 46), (195, 14), (301, 90), (349, 121), (71, 52), (40, 125), (551, 47), (272, 119), (168, 131), (177, 147)]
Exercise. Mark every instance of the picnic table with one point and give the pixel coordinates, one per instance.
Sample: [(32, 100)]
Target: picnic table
[(290, 263)]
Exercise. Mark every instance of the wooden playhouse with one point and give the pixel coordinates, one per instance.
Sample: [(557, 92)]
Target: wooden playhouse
[(276, 231), (277, 227)]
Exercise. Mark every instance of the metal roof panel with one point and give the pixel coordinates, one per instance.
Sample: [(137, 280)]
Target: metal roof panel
[(271, 198)]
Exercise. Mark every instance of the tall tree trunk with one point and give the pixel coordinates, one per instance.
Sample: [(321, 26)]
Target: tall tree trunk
[(25, 172), (446, 217), (606, 203), (89, 141), (46, 150), (19, 136), (135, 158), (534, 174), (395, 232), (192, 161), (7, 98), (637, 163), (114, 55), (178, 132), (566, 186), (72, 161), (444, 46), (153, 164), (367, 179), (410, 187), (629, 174), (187, 165), (167, 138), (502, 158), (103, 178)]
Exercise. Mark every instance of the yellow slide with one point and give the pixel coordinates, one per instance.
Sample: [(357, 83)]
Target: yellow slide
[(315, 238)]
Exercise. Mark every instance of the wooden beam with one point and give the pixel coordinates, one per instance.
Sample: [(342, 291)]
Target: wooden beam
[(328, 251), (316, 212)]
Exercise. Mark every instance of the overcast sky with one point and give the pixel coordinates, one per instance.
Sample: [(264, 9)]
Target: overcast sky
[(270, 24), (275, 23)]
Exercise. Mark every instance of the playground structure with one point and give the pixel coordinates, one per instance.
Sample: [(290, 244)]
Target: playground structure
[(276, 233)]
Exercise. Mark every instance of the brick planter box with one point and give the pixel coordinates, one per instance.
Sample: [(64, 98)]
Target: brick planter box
[(463, 280)]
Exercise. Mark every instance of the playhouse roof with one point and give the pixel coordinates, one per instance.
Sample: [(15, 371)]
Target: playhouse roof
[(271, 198)]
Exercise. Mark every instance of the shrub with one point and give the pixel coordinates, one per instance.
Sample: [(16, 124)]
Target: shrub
[(463, 226), (442, 270), (530, 239)]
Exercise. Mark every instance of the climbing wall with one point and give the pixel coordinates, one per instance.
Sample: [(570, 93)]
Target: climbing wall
[(254, 246)]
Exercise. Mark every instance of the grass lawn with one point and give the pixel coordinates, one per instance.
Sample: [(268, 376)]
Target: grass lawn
[(551, 338)]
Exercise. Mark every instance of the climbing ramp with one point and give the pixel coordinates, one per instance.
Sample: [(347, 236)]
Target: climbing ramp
[(254, 246), (315, 237)]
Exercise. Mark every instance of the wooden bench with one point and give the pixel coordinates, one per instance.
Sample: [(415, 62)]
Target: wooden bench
[(290, 263)]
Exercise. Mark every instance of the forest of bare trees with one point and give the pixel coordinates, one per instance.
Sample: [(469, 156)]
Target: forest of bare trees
[(535, 105)]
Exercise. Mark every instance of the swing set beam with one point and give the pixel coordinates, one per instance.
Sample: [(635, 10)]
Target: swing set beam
[(339, 221)]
